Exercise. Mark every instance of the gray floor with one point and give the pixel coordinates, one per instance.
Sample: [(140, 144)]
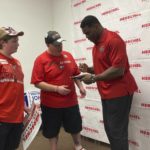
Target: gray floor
[(65, 143)]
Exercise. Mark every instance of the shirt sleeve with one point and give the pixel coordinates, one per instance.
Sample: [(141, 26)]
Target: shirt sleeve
[(76, 70), (118, 56), (37, 72)]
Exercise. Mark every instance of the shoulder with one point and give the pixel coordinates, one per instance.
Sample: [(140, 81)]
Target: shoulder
[(115, 39), (66, 53), (17, 61), (41, 56)]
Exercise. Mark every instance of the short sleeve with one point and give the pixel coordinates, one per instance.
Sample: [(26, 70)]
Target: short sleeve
[(37, 72), (118, 56), (76, 70)]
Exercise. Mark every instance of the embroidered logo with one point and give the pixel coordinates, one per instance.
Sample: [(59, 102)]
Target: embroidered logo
[(101, 49), (65, 56)]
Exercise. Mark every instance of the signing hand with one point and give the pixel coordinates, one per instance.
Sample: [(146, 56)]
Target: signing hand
[(83, 67), (87, 79)]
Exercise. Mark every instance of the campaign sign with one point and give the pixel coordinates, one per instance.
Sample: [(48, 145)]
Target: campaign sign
[(30, 97)]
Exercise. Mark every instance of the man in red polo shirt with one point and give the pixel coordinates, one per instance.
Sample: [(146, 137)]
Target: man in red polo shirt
[(53, 73), (115, 82)]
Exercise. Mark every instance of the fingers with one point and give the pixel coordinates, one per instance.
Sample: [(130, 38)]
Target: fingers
[(63, 90), (83, 67), (87, 79)]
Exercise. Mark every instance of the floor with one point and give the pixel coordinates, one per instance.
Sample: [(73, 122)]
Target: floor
[(65, 143)]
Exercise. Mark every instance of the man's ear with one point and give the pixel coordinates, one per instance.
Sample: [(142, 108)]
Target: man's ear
[(2, 42)]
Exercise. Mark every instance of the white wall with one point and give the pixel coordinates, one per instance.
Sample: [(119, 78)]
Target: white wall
[(34, 18), (62, 21)]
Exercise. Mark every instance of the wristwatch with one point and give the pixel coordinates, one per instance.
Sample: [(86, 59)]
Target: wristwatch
[(93, 78)]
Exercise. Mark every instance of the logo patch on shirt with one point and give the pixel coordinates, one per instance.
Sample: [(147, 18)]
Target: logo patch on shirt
[(65, 56), (3, 61), (102, 48)]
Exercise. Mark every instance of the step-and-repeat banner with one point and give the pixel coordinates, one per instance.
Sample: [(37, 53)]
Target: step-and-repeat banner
[(131, 20)]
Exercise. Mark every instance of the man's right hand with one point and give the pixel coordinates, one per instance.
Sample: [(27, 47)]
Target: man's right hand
[(63, 90), (83, 67)]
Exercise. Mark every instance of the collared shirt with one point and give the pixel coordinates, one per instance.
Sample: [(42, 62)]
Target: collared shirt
[(56, 70), (11, 90), (111, 51)]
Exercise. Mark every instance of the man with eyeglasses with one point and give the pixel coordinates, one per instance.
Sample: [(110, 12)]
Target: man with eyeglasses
[(52, 74)]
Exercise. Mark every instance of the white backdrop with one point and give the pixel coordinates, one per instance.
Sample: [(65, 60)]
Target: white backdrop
[(34, 18), (131, 20)]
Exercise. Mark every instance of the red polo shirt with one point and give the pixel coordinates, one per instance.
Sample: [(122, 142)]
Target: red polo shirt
[(56, 70), (111, 51)]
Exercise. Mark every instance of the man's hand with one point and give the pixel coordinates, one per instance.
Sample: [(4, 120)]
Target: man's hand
[(27, 110), (88, 79), (63, 90), (83, 67)]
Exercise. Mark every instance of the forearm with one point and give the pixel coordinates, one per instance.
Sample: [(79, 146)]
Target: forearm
[(109, 74), (78, 83), (47, 87)]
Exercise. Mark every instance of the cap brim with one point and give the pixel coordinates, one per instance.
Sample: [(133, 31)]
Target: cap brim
[(58, 41), (21, 33)]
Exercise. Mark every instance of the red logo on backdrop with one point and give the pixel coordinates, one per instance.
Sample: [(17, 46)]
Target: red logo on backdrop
[(145, 133), (146, 25), (146, 78), (79, 3), (80, 59), (77, 22), (89, 48), (94, 6), (130, 17), (133, 41), (146, 52), (92, 108), (90, 130), (80, 40), (135, 65), (145, 105), (134, 117), (133, 143), (91, 87), (110, 11)]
